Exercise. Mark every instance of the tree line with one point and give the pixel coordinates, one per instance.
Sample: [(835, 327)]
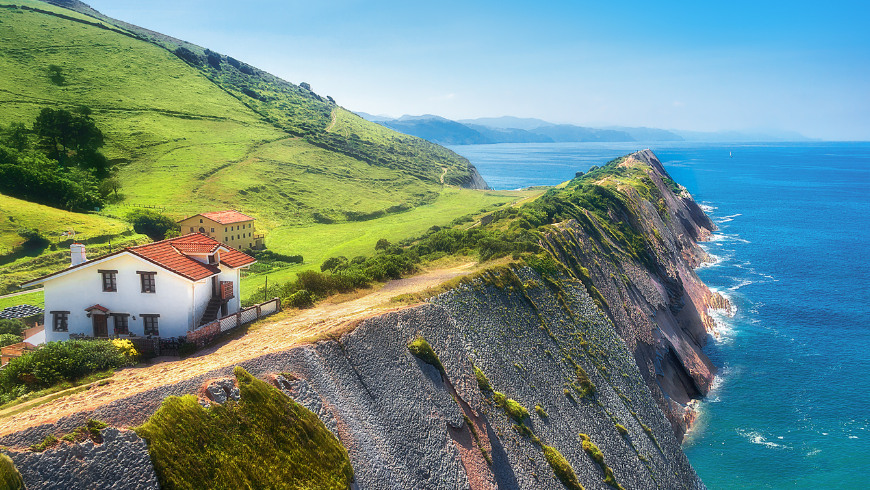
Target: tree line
[(56, 161)]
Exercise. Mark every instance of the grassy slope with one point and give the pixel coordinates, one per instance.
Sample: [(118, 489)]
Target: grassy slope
[(185, 137)]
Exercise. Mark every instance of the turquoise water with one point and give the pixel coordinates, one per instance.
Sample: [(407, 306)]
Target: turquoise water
[(791, 407)]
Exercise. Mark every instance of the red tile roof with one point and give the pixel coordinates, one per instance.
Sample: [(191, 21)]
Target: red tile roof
[(227, 217), (170, 254), (235, 259), (97, 307)]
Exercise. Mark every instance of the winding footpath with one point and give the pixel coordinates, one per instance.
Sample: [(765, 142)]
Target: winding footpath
[(285, 331)]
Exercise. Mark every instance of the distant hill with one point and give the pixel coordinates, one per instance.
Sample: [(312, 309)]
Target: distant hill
[(507, 122), (447, 132), (192, 129), (649, 134)]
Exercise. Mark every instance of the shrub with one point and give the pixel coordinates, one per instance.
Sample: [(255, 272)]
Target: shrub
[(382, 244), (186, 349), (265, 440), (10, 478), (420, 348), (127, 348), (621, 429), (151, 223), (58, 362), (32, 238), (9, 339), (12, 325), (299, 299), (541, 412)]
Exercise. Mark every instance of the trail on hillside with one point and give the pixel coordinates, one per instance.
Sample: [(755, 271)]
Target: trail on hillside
[(282, 334), (334, 116)]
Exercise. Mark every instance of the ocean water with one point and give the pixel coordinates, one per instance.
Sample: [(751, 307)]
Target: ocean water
[(791, 405)]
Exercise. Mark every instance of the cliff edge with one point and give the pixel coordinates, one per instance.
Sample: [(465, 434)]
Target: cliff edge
[(572, 367)]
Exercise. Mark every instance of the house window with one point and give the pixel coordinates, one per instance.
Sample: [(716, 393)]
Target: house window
[(148, 283), (212, 230), (200, 220), (122, 324), (191, 229), (110, 283), (60, 322), (150, 322), (225, 229)]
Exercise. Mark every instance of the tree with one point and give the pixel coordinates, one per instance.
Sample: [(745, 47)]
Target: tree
[(150, 223), (71, 138), (111, 186), (382, 244), (15, 136)]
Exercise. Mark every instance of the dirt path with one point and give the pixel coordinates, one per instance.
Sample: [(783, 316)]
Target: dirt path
[(332, 124), (443, 173), (20, 293), (279, 335)]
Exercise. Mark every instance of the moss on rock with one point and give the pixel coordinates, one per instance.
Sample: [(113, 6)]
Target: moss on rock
[(265, 440)]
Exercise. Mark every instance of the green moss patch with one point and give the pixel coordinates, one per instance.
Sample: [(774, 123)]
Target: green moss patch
[(597, 456), (482, 380), (420, 348), (511, 406), (561, 468), (266, 440)]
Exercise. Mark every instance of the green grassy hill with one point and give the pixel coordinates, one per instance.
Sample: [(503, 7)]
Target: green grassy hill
[(190, 130)]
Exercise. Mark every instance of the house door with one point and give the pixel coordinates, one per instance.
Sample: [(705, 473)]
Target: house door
[(101, 328)]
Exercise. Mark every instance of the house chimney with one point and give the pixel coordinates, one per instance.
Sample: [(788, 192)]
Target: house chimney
[(77, 254)]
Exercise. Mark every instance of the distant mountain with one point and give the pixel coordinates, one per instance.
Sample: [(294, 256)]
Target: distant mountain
[(437, 130), (510, 135), (568, 133), (507, 122), (373, 118), (649, 134)]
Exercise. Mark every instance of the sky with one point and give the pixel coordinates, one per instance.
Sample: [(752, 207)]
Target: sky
[(700, 66)]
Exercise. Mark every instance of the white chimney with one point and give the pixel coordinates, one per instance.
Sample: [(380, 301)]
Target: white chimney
[(77, 253)]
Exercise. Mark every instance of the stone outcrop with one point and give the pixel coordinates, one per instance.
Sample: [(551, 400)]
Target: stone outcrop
[(120, 462)]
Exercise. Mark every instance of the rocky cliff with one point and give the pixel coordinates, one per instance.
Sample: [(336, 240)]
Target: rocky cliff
[(572, 369)]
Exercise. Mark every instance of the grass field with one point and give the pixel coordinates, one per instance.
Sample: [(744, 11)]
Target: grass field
[(190, 138), (318, 242), (15, 213), (34, 298)]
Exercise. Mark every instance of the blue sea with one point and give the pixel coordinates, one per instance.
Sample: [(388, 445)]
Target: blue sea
[(791, 406)]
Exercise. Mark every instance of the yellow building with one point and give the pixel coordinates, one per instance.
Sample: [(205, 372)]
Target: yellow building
[(230, 227)]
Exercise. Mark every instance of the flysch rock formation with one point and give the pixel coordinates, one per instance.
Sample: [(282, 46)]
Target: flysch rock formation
[(120, 462), (406, 426)]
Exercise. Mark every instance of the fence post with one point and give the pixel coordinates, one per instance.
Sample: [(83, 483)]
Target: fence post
[(259, 313), (239, 318)]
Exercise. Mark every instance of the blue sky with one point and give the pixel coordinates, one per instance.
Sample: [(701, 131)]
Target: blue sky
[(737, 65)]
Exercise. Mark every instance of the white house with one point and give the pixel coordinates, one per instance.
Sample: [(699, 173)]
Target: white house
[(162, 289)]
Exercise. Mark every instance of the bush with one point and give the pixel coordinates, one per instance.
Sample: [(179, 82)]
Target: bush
[(186, 349), (541, 412), (9, 339), (299, 299), (32, 238), (151, 223), (58, 362), (12, 325), (127, 348)]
